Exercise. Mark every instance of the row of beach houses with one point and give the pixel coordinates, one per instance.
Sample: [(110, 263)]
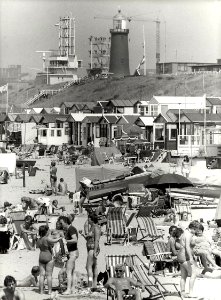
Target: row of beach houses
[(185, 125)]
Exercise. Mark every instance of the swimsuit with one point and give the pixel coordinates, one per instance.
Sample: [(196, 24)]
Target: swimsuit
[(46, 250), (181, 255)]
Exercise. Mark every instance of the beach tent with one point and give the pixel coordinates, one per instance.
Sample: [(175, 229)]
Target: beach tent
[(8, 160), (101, 155), (99, 172)]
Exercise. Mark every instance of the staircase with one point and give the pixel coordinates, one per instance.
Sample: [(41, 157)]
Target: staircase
[(218, 150)]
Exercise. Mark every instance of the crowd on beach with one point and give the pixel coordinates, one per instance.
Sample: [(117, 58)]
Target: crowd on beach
[(58, 246)]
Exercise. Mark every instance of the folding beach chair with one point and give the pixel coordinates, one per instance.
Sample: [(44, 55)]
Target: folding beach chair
[(158, 256), (111, 262), (184, 211), (116, 225), (148, 228), (17, 218), (154, 287)]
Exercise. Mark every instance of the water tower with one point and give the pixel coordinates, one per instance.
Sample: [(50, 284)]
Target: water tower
[(119, 53)]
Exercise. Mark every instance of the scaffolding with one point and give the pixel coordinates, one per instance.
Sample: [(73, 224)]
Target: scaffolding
[(66, 27), (99, 54)]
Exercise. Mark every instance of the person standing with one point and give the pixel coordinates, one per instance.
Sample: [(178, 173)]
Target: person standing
[(71, 236), (92, 235), (46, 262), (185, 168), (53, 177)]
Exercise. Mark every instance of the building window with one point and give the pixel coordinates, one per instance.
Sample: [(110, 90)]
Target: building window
[(142, 111), (135, 109), (97, 131), (159, 132), (154, 110), (44, 132), (58, 132), (59, 125), (120, 110), (172, 132), (66, 131), (103, 130), (147, 110), (52, 132), (52, 125)]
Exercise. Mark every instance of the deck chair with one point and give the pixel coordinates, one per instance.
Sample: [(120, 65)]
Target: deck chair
[(148, 228), (17, 218), (158, 256), (111, 262), (116, 225), (183, 210), (154, 287)]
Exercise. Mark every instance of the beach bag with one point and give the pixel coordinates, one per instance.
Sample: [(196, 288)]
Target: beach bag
[(59, 253)]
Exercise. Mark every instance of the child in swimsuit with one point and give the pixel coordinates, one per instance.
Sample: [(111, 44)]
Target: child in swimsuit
[(31, 280)]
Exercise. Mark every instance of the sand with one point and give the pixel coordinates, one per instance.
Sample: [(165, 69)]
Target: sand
[(18, 263)]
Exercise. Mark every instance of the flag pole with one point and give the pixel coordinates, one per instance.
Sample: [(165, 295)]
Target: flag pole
[(144, 53), (7, 101)]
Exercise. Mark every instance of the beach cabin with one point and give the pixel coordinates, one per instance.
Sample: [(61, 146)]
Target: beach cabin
[(126, 107)]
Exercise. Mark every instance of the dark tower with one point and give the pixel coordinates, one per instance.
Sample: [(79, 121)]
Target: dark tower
[(119, 53)]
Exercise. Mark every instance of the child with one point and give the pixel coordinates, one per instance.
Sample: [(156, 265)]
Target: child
[(30, 280), (123, 285), (55, 207), (203, 246)]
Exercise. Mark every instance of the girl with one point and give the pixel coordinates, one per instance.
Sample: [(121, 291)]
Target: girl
[(46, 263)]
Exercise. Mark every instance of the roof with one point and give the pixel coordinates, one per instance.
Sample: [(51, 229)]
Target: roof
[(123, 103), (144, 102), (53, 118), (131, 129), (2, 117), (147, 121), (200, 117), (68, 104), (214, 100), (111, 119), (92, 119), (179, 102), (77, 117)]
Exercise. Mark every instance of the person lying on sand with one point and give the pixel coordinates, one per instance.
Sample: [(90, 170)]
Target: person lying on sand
[(123, 285), (10, 292), (30, 280)]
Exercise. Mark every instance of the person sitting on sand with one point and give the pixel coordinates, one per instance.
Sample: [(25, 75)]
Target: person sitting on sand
[(29, 203), (29, 230), (30, 280), (10, 292), (202, 245), (123, 285), (55, 208), (62, 187)]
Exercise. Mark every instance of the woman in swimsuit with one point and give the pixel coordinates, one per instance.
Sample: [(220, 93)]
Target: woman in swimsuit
[(92, 235), (53, 177), (185, 257), (46, 263)]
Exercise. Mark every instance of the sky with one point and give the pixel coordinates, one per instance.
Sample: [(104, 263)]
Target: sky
[(190, 30)]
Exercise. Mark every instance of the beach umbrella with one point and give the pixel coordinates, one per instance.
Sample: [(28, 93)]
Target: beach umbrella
[(168, 181), (218, 210)]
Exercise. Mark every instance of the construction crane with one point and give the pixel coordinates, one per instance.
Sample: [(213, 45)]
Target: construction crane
[(133, 18)]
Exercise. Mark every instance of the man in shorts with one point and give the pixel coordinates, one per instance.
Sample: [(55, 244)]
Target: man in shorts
[(10, 292)]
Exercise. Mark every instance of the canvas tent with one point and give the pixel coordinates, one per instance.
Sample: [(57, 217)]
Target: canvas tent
[(99, 172), (101, 155)]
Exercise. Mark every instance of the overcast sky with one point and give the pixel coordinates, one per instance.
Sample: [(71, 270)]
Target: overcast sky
[(193, 29)]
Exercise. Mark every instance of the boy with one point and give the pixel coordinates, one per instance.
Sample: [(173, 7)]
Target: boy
[(10, 292), (123, 285), (31, 280)]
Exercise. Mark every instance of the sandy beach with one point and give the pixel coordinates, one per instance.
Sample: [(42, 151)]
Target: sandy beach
[(18, 263)]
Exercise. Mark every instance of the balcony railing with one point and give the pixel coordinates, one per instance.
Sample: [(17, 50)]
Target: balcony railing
[(189, 140)]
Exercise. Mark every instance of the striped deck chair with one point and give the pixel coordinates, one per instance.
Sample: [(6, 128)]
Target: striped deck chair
[(116, 225), (158, 254), (148, 229), (111, 262), (184, 211), (154, 287), (17, 218)]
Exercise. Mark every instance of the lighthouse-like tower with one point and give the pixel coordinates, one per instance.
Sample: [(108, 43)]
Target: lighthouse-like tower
[(119, 53)]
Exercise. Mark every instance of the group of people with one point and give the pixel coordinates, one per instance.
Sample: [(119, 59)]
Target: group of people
[(188, 245), (65, 236), (60, 188)]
